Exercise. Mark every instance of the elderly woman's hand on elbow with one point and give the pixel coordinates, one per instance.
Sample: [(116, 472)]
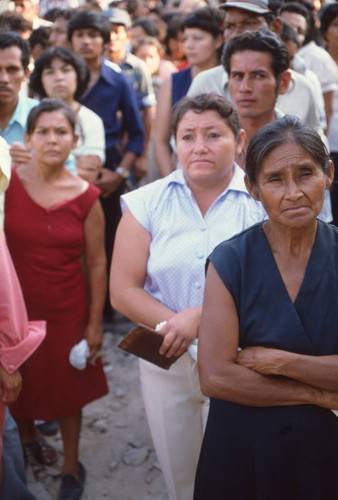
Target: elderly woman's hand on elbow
[(180, 330), (263, 360)]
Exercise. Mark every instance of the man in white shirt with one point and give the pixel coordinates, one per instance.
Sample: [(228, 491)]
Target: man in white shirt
[(244, 15)]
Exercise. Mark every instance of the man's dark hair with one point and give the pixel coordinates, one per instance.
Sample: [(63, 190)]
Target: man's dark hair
[(14, 22), (326, 15), (40, 36), (90, 19), (65, 14), (258, 41), (147, 25), (11, 39), (275, 6), (289, 34), (68, 56), (297, 8), (309, 14)]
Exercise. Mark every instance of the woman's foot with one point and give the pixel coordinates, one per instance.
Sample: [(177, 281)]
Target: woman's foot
[(43, 453), (72, 487)]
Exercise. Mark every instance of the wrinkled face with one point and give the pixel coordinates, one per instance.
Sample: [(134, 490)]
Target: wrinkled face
[(206, 148), (12, 75), (200, 46), (149, 54), (291, 186), (58, 36), (238, 20), (52, 139), (252, 83), (298, 22), (87, 43), (59, 80)]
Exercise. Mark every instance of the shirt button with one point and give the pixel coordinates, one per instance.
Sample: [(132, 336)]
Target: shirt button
[(11, 367), (203, 229), (198, 286)]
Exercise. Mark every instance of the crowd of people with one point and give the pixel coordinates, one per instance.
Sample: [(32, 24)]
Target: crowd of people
[(173, 161)]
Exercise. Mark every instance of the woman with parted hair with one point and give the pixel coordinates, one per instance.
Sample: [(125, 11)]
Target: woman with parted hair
[(268, 341)]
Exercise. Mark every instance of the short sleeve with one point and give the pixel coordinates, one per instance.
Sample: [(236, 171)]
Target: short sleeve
[(138, 203), (226, 261)]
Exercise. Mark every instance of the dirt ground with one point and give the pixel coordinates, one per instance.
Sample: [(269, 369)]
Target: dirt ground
[(116, 447)]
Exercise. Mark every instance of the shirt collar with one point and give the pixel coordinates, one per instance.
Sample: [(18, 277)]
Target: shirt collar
[(236, 183), (20, 113), (106, 68)]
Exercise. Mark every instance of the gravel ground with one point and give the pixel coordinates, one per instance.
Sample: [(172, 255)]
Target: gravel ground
[(115, 447)]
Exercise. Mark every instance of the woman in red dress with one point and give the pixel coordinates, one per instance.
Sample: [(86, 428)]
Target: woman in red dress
[(54, 225)]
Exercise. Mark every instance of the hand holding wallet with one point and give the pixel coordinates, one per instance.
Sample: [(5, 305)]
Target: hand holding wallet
[(145, 343)]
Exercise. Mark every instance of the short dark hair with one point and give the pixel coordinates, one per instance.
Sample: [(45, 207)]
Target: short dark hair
[(174, 27), (326, 15), (148, 26), (68, 56), (288, 129), (14, 22), (11, 39), (48, 106), (205, 18), (297, 8), (289, 34), (258, 41), (90, 19), (207, 102), (65, 14), (40, 36)]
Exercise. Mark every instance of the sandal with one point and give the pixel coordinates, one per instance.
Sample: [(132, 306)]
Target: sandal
[(72, 488), (41, 451)]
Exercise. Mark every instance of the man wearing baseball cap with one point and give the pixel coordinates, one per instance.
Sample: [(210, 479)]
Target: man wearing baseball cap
[(117, 50)]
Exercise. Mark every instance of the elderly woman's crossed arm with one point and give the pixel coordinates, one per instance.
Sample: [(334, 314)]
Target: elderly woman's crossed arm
[(249, 377)]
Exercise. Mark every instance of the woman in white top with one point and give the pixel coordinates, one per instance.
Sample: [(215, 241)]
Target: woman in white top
[(165, 235), (61, 74)]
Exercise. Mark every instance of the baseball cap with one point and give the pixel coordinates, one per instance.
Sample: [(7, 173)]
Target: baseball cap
[(257, 6), (119, 16)]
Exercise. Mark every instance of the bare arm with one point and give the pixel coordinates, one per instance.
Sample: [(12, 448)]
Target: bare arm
[(220, 374), (10, 385), (162, 128), (95, 260), (127, 278), (318, 371), (328, 101)]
